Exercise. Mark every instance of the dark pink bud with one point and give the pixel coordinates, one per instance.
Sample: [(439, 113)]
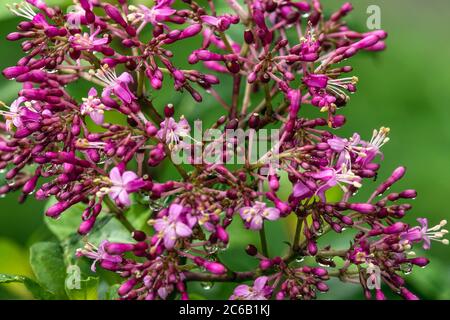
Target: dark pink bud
[(86, 226), (320, 272), (222, 234), (30, 185), (322, 286), (420, 261), (251, 250), (115, 14), (190, 31), (379, 295), (214, 267), (265, 264), (395, 228), (362, 207), (55, 210), (248, 37), (312, 248), (408, 295), (169, 110), (408, 194), (118, 248), (126, 287), (13, 72)]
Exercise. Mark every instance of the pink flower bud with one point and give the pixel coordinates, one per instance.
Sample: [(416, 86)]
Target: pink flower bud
[(215, 267)]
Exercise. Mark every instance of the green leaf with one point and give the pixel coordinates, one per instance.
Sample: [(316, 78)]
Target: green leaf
[(6, 278), (112, 294), (87, 289), (138, 215), (47, 262), (67, 225), (36, 290)]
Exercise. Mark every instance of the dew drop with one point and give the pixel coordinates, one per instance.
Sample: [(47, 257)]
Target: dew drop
[(300, 259), (406, 268), (223, 247), (207, 285), (211, 248)]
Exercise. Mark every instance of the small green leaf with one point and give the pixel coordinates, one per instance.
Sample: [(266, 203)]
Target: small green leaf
[(47, 262)]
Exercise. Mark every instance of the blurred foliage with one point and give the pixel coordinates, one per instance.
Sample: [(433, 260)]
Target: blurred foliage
[(405, 88)]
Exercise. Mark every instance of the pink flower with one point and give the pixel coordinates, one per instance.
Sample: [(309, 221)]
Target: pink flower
[(254, 216), (117, 85), (331, 177), (173, 132), (372, 148), (170, 227), (20, 112), (88, 42), (160, 12), (222, 23), (99, 255), (94, 107), (259, 291), (122, 185), (425, 234)]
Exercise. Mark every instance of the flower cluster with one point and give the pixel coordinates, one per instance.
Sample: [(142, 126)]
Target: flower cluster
[(287, 53)]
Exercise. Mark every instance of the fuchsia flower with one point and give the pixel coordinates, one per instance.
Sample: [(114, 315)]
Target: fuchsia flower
[(292, 56), (20, 112), (345, 148), (255, 215), (331, 177), (117, 85), (99, 255), (122, 185), (222, 23), (89, 42), (425, 234), (93, 106), (372, 148), (259, 291), (173, 132), (160, 12), (170, 227)]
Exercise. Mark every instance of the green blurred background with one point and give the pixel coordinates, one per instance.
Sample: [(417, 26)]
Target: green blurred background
[(406, 88)]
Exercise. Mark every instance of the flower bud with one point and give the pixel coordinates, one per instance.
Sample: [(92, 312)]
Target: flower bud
[(215, 267)]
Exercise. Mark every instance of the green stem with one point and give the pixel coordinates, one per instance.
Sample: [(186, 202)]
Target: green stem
[(262, 236), (119, 214), (268, 106), (298, 230), (140, 85), (149, 110)]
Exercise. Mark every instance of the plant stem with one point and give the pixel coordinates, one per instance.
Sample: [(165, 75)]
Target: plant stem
[(262, 236), (298, 230), (140, 85), (150, 110), (268, 105), (119, 214)]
